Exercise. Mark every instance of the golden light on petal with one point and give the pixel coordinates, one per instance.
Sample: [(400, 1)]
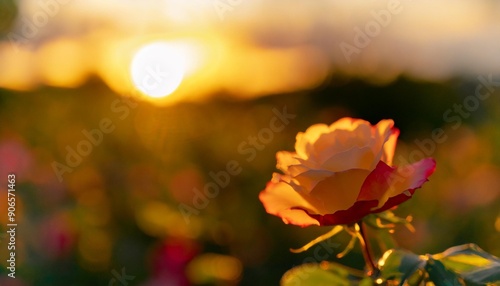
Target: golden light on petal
[(157, 69)]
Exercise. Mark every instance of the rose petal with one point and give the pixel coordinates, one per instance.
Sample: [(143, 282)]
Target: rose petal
[(383, 132), (385, 181), (337, 192), (356, 158), (359, 210), (305, 139), (395, 201), (348, 123), (297, 217), (390, 147), (351, 215), (359, 158), (296, 170), (308, 164), (376, 184), (411, 176), (309, 179), (341, 140), (285, 160), (280, 178), (309, 176), (278, 197), (417, 174)]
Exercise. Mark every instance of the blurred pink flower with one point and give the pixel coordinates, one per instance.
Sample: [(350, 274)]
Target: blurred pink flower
[(15, 158)]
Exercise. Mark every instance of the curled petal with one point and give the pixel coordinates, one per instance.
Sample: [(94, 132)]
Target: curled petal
[(385, 182), (412, 176), (305, 140), (385, 136), (297, 217), (285, 160), (280, 199), (390, 147), (348, 123), (407, 180)]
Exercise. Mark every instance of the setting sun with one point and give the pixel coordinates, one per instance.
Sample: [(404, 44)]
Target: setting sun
[(158, 69)]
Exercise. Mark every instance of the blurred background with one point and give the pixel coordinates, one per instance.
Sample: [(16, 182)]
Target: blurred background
[(115, 115)]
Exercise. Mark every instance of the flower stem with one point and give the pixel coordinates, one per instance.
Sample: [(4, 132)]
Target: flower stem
[(365, 248)]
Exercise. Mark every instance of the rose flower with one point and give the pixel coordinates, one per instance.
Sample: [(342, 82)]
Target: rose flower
[(340, 173)]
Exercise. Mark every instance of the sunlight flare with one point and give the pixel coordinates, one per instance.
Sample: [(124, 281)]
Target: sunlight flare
[(158, 69)]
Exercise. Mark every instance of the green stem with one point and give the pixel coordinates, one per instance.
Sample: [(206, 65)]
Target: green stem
[(365, 249)]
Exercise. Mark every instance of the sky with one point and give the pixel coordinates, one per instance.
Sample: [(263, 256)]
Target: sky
[(243, 48)]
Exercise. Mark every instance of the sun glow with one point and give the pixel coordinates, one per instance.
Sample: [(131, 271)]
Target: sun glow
[(158, 69)]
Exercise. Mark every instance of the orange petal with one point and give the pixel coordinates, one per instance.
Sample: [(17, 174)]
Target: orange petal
[(338, 192), (348, 123), (297, 217), (382, 134), (285, 160), (359, 158), (303, 145), (310, 178), (390, 147), (280, 199), (341, 140)]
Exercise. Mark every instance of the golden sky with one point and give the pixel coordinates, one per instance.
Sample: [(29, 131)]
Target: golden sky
[(245, 48)]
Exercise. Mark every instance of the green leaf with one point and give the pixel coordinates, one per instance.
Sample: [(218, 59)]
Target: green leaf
[(402, 266), (460, 265), (367, 281), (472, 264), (440, 275), (323, 274)]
